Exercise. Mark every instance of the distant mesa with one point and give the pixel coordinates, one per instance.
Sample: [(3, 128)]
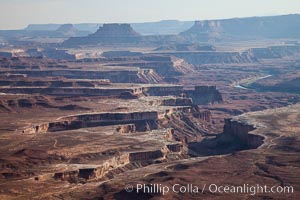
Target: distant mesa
[(284, 26), (108, 33), (206, 26), (205, 31), (116, 31), (84, 27), (169, 31), (67, 30), (63, 31)]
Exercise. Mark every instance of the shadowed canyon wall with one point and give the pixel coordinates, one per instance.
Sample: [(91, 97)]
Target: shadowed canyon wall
[(241, 131)]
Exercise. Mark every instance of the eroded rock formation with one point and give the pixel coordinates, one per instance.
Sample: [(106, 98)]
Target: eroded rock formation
[(204, 30), (127, 128), (115, 164), (204, 95), (242, 131), (165, 65), (142, 121), (180, 101)]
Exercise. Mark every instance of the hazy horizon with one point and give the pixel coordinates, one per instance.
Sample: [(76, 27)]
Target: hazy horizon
[(18, 14)]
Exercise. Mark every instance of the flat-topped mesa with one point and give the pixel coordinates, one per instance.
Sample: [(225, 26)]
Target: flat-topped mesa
[(115, 31), (107, 34), (142, 121), (201, 95)]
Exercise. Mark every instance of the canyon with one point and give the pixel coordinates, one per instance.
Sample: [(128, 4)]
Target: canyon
[(86, 109)]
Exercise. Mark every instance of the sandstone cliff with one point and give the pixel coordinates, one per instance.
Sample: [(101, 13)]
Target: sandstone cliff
[(242, 131), (204, 95)]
